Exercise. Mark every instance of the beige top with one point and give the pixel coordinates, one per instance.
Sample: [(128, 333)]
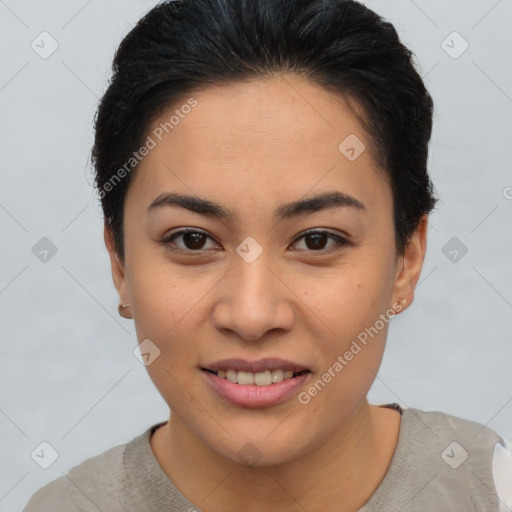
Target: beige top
[(441, 463)]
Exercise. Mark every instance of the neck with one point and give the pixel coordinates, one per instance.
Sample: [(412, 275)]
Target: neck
[(346, 469)]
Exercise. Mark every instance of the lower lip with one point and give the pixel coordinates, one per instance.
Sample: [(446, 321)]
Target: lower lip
[(253, 395)]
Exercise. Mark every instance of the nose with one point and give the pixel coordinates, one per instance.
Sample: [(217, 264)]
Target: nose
[(253, 300)]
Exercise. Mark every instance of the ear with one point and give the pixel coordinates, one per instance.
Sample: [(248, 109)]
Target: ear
[(117, 267), (409, 265)]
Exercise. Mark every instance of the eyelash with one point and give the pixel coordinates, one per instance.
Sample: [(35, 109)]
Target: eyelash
[(340, 241)]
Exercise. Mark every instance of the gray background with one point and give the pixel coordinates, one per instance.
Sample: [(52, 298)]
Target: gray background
[(67, 372)]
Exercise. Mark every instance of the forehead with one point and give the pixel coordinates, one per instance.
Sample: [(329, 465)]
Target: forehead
[(282, 111), (277, 136)]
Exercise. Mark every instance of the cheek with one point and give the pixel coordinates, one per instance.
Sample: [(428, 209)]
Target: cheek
[(349, 299), (164, 305), (350, 363), (355, 316), (166, 311)]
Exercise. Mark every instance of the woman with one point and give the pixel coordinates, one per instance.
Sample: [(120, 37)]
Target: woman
[(262, 171)]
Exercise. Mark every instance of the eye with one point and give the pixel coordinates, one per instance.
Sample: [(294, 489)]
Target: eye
[(316, 239), (192, 239)]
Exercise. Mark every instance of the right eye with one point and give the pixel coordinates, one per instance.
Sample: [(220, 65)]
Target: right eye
[(192, 240)]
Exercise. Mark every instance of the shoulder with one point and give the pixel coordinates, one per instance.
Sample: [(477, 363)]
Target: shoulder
[(443, 462), (92, 485), (461, 453), (438, 427), (443, 422)]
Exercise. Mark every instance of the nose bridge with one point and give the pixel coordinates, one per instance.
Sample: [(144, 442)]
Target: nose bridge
[(254, 294), (252, 275), (253, 281), (253, 300)]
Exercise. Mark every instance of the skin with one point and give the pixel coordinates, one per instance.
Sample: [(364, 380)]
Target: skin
[(252, 147)]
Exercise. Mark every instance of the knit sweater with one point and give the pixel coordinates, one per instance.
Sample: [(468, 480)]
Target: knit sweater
[(440, 463)]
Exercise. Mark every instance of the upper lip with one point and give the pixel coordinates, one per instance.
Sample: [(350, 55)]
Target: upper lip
[(269, 363)]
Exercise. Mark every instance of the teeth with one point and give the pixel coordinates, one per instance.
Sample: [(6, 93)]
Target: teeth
[(265, 378), (245, 378), (232, 375), (277, 375)]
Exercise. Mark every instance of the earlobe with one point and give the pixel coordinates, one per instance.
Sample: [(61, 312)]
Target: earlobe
[(410, 265)]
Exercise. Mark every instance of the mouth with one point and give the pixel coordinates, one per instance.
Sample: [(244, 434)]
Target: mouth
[(261, 383), (264, 378), (263, 372)]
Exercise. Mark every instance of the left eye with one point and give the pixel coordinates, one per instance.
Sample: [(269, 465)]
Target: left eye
[(193, 240), (318, 238)]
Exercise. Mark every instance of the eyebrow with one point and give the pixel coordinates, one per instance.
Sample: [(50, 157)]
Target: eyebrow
[(208, 208)]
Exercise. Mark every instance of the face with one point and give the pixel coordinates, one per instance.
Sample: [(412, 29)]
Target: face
[(266, 275)]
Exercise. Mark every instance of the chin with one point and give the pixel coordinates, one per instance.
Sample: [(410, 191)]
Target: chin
[(267, 448)]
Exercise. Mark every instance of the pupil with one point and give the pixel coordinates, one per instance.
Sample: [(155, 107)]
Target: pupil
[(193, 240), (318, 238)]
